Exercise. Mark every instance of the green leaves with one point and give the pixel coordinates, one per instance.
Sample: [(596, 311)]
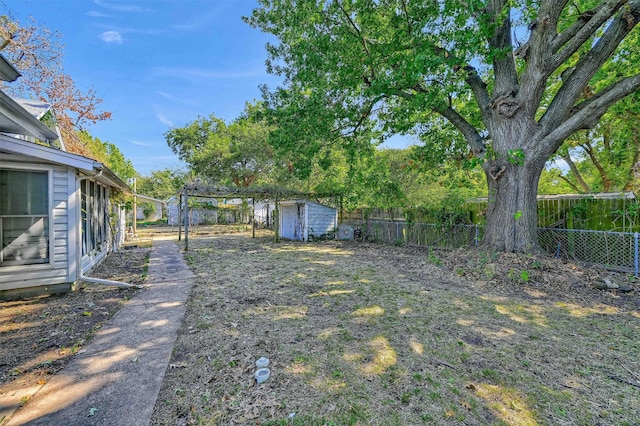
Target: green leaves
[(451, 72), (236, 153), (109, 154), (516, 156), (162, 184)]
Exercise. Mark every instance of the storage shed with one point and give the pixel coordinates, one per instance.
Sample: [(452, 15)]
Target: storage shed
[(158, 207), (301, 219)]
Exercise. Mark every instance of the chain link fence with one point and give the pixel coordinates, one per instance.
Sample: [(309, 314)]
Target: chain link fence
[(612, 250)]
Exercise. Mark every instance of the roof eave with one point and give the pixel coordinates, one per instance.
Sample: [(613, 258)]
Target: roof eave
[(15, 113), (21, 147), (106, 175), (7, 71)]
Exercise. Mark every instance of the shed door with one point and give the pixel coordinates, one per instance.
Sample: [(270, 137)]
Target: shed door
[(293, 222)]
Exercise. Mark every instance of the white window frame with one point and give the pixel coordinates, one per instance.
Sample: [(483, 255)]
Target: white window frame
[(36, 168)]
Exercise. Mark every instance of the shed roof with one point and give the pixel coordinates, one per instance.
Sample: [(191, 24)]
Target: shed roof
[(303, 201), (150, 199)]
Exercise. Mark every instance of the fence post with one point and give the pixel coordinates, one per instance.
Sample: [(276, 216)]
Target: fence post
[(635, 254), (186, 221), (477, 235)]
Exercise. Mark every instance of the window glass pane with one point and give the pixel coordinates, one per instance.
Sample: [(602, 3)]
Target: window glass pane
[(24, 240), (24, 217), (24, 193)]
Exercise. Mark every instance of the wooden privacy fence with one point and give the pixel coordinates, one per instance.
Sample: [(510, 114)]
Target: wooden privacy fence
[(601, 212)]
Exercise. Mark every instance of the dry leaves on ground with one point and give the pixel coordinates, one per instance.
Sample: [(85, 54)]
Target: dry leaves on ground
[(361, 333)]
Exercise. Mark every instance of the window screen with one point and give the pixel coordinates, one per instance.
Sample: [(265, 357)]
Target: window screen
[(24, 217)]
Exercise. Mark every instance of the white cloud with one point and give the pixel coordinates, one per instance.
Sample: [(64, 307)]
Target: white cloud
[(183, 100), (168, 96), (164, 120), (138, 143), (120, 7), (204, 19), (129, 30), (111, 37), (96, 14)]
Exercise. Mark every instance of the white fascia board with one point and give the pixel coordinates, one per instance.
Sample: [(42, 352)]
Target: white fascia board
[(111, 178), (45, 153), (293, 202), (85, 165)]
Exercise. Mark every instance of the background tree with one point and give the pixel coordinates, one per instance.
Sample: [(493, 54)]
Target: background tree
[(392, 65), (237, 153), (107, 153), (162, 184), (37, 53)]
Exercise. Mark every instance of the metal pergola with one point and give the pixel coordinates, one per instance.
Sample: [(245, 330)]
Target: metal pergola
[(277, 194)]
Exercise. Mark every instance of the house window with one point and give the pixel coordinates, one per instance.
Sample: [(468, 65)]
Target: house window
[(24, 217)]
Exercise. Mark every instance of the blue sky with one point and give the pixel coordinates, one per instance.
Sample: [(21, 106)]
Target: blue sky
[(157, 64)]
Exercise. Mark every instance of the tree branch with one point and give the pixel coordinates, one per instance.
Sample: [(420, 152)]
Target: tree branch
[(536, 54), (475, 141), (571, 184), (355, 28), (504, 65), (631, 176), (574, 169), (560, 39), (589, 64), (363, 42), (601, 14), (406, 14), (479, 88), (587, 114), (473, 138), (606, 182)]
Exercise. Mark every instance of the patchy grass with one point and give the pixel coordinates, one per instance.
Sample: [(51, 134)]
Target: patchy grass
[(359, 333)]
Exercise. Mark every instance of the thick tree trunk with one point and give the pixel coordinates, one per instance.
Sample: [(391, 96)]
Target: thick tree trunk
[(512, 217)]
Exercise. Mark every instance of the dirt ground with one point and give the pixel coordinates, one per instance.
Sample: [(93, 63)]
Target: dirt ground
[(39, 335), (361, 333)]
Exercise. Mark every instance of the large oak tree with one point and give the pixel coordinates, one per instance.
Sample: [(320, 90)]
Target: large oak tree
[(519, 68)]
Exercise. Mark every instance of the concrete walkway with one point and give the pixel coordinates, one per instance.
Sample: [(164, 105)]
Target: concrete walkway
[(117, 379)]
